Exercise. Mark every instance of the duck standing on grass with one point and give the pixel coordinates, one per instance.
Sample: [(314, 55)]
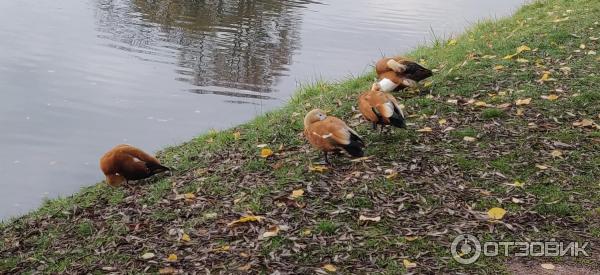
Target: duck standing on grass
[(381, 108), (125, 162), (395, 74), (329, 133)]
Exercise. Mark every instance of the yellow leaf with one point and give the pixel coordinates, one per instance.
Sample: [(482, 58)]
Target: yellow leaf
[(306, 232), (391, 175), (166, 270), (480, 104), (172, 258), (411, 238), (551, 97), (266, 152), (488, 57), (541, 167), (548, 266), (370, 219), (245, 219), (409, 264), (556, 153), (519, 184), (545, 77), (510, 56), (469, 139), (210, 140), (329, 268), (523, 48), (525, 101), (561, 19), (522, 60), (237, 135), (498, 67), (582, 46), (189, 196), (442, 121), (519, 111), (185, 237), (452, 42), (425, 130), (317, 168), (297, 193), (584, 123), (496, 213), (224, 248)]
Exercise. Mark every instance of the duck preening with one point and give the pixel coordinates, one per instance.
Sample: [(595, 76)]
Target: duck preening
[(395, 74), (381, 108), (329, 133), (125, 162)]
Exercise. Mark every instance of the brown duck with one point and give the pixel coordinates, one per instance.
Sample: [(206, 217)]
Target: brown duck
[(125, 162)]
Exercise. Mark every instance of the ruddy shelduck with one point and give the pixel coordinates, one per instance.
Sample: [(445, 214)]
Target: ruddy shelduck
[(380, 108), (125, 162), (329, 134), (397, 73)]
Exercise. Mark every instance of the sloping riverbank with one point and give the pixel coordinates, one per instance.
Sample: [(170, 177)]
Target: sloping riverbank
[(515, 132)]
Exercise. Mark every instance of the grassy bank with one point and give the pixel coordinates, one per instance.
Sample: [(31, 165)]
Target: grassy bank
[(515, 133)]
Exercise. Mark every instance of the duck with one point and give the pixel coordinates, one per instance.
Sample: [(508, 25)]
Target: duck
[(397, 73), (331, 134), (380, 108), (125, 162)]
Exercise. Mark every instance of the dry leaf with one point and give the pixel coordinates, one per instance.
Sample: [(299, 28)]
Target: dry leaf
[(442, 121), (329, 268), (166, 270), (522, 60), (266, 152), (481, 104), (172, 258), (541, 167), (516, 200), (525, 101), (496, 213), (452, 101), (425, 130), (545, 77), (520, 49), (297, 193), (306, 232), (391, 175), (245, 219), (244, 267), (551, 97), (520, 111), (189, 196), (452, 42), (237, 135), (584, 123), (148, 255), (548, 266), (411, 238), (272, 232), (556, 153), (519, 184), (317, 168), (498, 67), (371, 219), (185, 237), (409, 264), (469, 139)]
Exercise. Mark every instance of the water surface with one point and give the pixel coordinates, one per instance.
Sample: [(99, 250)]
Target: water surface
[(79, 76)]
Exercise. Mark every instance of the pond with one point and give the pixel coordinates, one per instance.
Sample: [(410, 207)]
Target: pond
[(79, 76)]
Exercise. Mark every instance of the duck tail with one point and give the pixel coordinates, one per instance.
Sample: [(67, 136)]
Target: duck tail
[(354, 148)]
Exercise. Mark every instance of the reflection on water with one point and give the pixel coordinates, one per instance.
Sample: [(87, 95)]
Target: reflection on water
[(241, 45), (79, 76)]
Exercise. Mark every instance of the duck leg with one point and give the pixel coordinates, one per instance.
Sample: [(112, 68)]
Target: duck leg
[(325, 154)]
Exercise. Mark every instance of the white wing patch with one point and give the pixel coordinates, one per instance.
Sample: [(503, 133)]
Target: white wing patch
[(387, 85)]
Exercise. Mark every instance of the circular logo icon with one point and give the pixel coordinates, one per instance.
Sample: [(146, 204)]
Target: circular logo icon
[(466, 249)]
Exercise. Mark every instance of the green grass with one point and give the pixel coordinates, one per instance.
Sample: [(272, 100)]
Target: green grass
[(442, 184)]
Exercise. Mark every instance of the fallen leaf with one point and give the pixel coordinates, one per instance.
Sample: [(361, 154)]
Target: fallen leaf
[(442, 121), (545, 77), (266, 152), (503, 106), (261, 145), (469, 139), (452, 101), (548, 266), (244, 267), (409, 264), (519, 184), (481, 104), (516, 200), (541, 167), (525, 101), (425, 130), (582, 46), (411, 238), (452, 42), (496, 213), (272, 232), (520, 111), (522, 60), (523, 48), (237, 135), (224, 248), (371, 219), (172, 258), (556, 153), (329, 268), (498, 67), (148, 255), (551, 97), (185, 237), (306, 232), (245, 219), (297, 193), (189, 196), (584, 123), (166, 270), (317, 168)]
